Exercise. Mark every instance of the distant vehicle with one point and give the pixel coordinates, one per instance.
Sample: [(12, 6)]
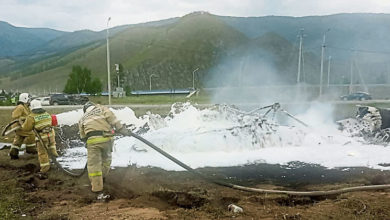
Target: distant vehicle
[(78, 99), (356, 96), (3, 98), (44, 100), (59, 99), (67, 99)]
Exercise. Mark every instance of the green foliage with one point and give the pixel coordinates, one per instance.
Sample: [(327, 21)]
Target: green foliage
[(127, 90), (95, 86), (80, 80)]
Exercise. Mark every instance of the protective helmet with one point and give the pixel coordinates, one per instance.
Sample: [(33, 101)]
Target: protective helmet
[(87, 105), (24, 97), (35, 104)]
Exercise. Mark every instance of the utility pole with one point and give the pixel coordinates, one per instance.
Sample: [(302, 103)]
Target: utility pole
[(322, 61), (243, 65), (117, 73), (329, 60), (351, 78), (108, 64), (150, 81), (300, 54), (127, 78), (193, 78)]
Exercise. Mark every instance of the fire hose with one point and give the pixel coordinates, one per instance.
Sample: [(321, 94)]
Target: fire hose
[(258, 190), (6, 131), (54, 159), (225, 184)]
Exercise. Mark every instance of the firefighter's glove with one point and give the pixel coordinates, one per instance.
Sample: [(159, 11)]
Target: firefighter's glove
[(124, 131)]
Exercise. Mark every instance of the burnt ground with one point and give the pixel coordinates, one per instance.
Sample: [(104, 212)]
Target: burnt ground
[(152, 193)]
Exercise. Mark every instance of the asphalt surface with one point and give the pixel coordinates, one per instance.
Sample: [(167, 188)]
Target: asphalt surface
[(366, 102)]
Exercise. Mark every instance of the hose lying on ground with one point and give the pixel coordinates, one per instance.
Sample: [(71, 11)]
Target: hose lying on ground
[(54, 159), (250, 189), (233, 186)]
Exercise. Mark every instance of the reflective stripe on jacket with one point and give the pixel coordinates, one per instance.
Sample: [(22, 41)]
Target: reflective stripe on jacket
[(39, 121), (98, 140), (42, 121)]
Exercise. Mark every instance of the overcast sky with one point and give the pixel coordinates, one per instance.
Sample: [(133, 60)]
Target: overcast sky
[(71, 15)]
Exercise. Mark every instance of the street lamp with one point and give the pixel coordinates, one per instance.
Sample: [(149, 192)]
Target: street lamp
[(117, 72), (108, 64), (150, 81), (301, 35), (329, 59), (193, 78), (322, 60)]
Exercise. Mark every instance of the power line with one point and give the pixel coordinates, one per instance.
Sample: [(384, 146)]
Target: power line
[(359, 50)]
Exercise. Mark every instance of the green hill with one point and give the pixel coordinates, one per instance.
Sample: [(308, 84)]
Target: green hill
[(171, 51), (16, 41), (266, 60), (350, 31), (262, 49)]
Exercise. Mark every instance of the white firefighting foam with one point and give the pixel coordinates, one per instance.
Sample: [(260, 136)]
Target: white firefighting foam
[(218, 137)]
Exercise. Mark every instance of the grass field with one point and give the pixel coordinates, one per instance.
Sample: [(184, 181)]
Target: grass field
[(152, 99)]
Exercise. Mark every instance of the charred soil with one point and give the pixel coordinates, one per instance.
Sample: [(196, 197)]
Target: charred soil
[(152, 193)]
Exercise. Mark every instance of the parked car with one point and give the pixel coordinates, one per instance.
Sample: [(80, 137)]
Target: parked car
[(67, 99), (78, 99), (356, 96), (59, 99), (44, 100)]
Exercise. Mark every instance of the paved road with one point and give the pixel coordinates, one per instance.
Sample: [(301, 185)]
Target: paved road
[(152, 106)]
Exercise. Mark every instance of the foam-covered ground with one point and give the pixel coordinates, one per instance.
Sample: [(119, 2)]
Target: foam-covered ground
[(222, 136)]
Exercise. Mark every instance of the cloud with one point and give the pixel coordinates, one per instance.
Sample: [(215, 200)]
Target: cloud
[(73, 15)]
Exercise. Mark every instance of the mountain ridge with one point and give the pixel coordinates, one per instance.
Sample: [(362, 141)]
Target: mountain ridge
[(173, 48)]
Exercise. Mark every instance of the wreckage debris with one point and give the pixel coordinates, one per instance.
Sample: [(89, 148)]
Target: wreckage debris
[(370, 123), (235, 209)]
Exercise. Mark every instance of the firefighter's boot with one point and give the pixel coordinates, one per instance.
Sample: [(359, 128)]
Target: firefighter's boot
[(14, 153)]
